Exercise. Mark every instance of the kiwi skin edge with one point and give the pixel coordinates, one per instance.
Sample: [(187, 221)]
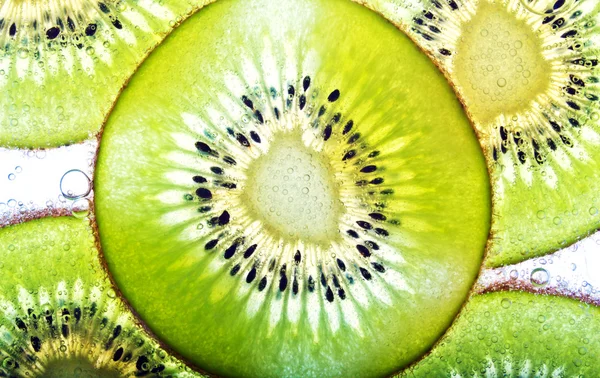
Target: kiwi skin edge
[(401, 28)]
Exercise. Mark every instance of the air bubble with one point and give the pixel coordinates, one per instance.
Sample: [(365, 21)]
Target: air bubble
[(80, 208), (539, 277), (514, 274), (593, 211), (506, 303), (75, 184), (11, 176), (541, 318), (501, 82)]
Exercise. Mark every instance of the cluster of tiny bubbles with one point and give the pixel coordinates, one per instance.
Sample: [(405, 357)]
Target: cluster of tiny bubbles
[(291, 190)]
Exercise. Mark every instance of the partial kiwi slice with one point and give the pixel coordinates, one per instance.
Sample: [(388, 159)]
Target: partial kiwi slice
[(62, 63), (60, 317), (515, 334), (528, 74), (292, 189)]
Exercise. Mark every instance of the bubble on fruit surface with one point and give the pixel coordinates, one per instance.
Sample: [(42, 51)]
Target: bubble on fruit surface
[(80, 208), (75, 184), (539, 277)]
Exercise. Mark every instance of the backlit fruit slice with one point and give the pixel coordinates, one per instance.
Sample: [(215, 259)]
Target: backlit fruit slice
[(59, 316), (62, 63), (529, 76), (292, 192), (513, 334)]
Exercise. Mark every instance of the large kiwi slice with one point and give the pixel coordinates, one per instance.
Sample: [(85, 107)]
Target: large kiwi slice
[(292, 189), (528, 74), (513, 334), (62, 63), (59, 316)]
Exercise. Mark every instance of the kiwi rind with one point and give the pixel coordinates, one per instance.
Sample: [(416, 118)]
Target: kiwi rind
[(58, 308), (517, 334), (146, 186), (63, 63), (544, 164)]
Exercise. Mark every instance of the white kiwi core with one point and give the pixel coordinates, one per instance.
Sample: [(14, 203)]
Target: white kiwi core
[(292, 190), (499, 63)]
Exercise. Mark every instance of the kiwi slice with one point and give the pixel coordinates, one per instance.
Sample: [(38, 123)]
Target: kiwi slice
[(62, 63), (528, 74), (60, 317), (516, 334), (279, 194)]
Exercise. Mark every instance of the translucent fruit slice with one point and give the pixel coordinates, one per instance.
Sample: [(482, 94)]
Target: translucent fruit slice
[(59, 316), (513, 334), (293, 192), (529, 76), (63, 63)]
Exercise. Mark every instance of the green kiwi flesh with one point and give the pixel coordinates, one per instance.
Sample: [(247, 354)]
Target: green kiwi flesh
[(292, 189), (60, 317), (529, 77), (516, 334), (63, 63)]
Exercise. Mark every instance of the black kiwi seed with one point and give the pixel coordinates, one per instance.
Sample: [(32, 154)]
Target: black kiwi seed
[(334, 96), (306, 83), (288, 274), (262, 284), (204, 193), (53, 32), (103, 8), (90, 30)]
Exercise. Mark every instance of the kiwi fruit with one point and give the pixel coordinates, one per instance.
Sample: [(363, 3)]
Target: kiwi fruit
[(60, 317), (63, 63), (279, 194), (527, 72), (517, 334)]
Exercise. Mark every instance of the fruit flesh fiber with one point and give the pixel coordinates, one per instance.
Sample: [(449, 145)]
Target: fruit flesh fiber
[(186, 294)]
